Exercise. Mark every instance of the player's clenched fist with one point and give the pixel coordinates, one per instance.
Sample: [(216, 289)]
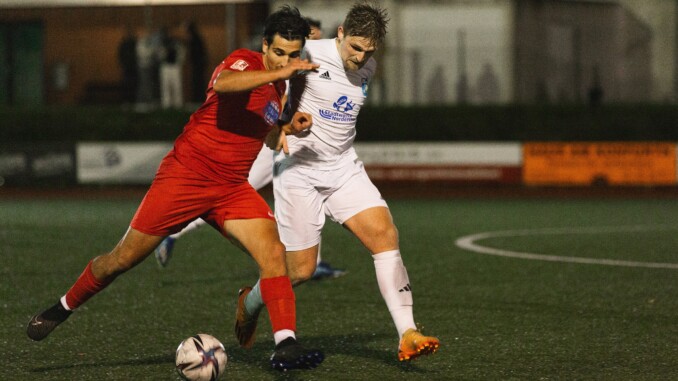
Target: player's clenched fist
[(300, 121), (276, 139)]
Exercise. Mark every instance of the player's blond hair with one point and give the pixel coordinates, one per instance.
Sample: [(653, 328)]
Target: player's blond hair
[(366, 20)]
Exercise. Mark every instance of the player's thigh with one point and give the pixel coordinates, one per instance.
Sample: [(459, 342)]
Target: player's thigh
[(355, 193), (176, 197), (132, 249), (375, 229), (259, 237), (298, 210), (237, 202)]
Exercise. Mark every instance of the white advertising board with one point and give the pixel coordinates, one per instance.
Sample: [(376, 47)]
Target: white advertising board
[(119, 163)]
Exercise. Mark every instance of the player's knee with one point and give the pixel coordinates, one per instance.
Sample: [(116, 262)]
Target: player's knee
[(122, 264), (301, 272), (273, 259), (387, 233)]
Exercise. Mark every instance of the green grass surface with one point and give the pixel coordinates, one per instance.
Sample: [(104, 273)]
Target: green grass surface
[(497, 317)]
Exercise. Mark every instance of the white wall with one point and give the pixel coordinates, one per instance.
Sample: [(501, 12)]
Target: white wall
[(429, 30)]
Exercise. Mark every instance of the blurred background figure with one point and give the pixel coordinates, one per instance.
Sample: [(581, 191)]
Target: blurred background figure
[(487, 85), (316, 29), (197, 61), (172, 57), (146, 64), (127, 58)]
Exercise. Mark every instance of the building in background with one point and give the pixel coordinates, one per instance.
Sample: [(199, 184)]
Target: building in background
[(437, 52), (65, 51), (521, 51)]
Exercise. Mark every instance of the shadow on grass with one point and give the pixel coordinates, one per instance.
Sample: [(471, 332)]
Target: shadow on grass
[(353, 345), (152, 360)]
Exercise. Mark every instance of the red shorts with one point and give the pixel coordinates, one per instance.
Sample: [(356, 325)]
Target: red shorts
[(178, 196)]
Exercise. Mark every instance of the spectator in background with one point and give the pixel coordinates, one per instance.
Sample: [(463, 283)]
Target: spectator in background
[(156, 41), (127, 58), (316, 29), (146, 64), (596, 92), (488, 85), (172, 57), (197, 58), (437, 86)]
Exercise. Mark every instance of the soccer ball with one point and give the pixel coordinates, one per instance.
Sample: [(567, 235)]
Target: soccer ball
[(201, 358)]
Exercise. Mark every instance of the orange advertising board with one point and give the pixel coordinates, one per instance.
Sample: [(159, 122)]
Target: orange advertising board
[(586, 163)]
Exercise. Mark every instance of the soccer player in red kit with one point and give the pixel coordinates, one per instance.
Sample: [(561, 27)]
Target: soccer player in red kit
[(205, 176)]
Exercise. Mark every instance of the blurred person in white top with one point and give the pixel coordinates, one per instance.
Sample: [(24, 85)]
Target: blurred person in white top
[(318, 173)]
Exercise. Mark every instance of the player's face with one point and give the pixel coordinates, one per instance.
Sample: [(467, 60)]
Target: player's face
[(316, 34), (280, 52), (354, 51)]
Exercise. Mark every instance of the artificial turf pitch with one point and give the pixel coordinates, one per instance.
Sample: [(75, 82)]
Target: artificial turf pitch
[(498, 318)]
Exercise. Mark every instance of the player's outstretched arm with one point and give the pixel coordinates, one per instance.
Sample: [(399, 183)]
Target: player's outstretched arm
[(235, 81)]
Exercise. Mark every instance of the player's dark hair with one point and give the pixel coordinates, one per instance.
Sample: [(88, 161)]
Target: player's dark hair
[(288, 23), (366, 20)]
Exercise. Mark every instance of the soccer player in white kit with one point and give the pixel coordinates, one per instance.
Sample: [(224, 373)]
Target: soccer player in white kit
[(261, 175), (322, 175)]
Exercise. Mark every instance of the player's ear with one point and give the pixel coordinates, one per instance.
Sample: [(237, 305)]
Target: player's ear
[(340, 33), (264, 45)]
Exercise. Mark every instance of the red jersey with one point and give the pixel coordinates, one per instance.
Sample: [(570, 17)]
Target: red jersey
[(224, 136)]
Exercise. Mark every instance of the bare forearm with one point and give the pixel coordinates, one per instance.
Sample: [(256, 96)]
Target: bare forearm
[(235, 81)]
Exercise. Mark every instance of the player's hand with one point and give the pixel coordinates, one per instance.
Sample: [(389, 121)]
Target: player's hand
[(301, 121), (282, 143), (295, 67)]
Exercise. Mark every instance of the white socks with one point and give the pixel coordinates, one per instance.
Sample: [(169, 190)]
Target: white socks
[(253, 301), (283, 334), (394, 285), (195, 224)]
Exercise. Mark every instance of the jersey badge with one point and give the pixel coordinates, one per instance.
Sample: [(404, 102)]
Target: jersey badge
[(271, 113), (239, 65)]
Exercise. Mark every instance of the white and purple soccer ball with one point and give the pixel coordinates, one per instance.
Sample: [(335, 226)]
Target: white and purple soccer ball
[(201, 358)]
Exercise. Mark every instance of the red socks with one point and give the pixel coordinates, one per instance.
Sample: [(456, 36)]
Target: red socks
[(279, 298), (84, 288)]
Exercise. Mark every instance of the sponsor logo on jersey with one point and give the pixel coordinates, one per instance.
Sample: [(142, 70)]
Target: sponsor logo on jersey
[(325, 75), (271, 113), (343, 102), (365, 86), (239, 65), (336, 116), (340, 113)]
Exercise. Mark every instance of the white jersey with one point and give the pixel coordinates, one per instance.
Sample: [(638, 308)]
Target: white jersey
[(334, 97)]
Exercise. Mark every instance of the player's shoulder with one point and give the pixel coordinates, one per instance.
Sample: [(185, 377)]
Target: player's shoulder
[(369, 68), (319, 47), (243, 59)]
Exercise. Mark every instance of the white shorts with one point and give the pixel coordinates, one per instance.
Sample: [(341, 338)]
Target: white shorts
[(304, 195)]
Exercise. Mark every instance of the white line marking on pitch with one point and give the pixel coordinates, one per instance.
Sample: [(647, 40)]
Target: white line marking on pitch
[(469, 243)]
